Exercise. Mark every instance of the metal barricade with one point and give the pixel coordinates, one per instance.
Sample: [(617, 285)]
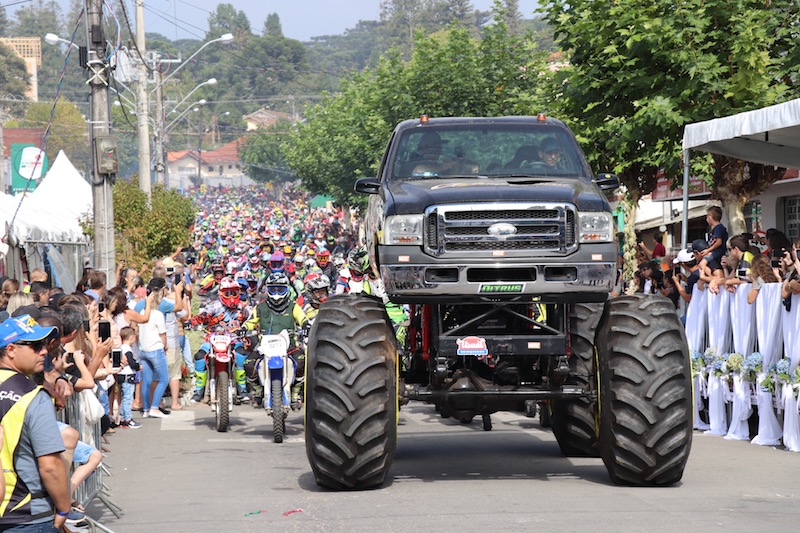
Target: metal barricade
[(93, 486)]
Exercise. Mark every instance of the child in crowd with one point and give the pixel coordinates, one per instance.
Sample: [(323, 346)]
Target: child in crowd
[(127, 378), (718, 235)]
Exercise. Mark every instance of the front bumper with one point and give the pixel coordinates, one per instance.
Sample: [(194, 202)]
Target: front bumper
[(410, 276)]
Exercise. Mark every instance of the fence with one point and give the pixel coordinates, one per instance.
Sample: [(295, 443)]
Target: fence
[(745, 360), (93, 486)]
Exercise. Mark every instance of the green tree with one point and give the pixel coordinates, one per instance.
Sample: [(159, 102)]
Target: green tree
[(272, 25), (226, 19), (3, 21), (639, 72), (449, 74), (262, 155), (14, 82), (68, 130), (143, 232)]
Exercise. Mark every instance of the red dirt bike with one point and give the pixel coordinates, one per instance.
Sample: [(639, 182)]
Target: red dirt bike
[(221, 365)]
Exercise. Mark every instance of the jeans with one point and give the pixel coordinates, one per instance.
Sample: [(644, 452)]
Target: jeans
[(102, 396), (39, 527), (127, 401), (154, 368)]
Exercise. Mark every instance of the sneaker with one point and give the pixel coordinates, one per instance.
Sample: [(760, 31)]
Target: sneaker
[(157, 413), (77, 528), (243, 396), (75, 517), (164, 410), (197, 397), (145, 414), (132, 424)]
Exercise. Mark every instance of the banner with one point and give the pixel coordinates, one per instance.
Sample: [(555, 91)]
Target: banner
[(28, 164)]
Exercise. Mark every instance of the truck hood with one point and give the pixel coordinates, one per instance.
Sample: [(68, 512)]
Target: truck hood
[(414, 196)]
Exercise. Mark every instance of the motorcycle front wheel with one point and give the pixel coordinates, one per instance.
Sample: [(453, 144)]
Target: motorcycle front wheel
[(222, 413), (278, 415)]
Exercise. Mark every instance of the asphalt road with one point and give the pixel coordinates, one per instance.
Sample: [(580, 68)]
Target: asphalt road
[(179, 475)]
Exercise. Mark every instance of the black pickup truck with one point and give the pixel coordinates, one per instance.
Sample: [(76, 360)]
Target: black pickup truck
[(499, 240)]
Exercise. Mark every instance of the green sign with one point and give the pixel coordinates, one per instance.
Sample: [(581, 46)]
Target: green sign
[(28, 165), (502, 288)]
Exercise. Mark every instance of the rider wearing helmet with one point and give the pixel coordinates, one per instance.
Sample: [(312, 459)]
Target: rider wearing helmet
[(209, 285), (277, 262), (358, 266), (229, 313), (324, 263), (276, 313)]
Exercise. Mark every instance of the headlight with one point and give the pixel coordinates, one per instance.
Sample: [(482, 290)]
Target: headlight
[(595, 227), (403, 229)]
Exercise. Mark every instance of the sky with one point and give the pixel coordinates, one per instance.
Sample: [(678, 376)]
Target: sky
[(300, 19)]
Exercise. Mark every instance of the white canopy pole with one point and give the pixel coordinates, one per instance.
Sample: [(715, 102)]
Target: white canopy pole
[(685, 216)]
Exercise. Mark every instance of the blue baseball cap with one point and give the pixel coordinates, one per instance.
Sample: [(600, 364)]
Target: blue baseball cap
[(22, 329)]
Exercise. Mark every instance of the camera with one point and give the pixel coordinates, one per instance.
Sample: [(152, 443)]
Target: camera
[(116, 358), (741, 273)]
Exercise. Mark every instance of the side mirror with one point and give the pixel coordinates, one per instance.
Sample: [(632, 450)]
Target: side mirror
[(368, 185), (606, 182)]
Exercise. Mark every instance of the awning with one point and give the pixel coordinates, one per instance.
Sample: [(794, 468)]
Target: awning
[(770, 136)]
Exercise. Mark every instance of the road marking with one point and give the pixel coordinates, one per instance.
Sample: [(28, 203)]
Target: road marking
[(179, 421)]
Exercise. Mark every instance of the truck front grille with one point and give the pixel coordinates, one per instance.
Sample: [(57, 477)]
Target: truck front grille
[(498, 228)]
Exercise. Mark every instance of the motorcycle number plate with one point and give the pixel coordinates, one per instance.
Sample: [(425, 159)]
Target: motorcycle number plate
[(220, 339)]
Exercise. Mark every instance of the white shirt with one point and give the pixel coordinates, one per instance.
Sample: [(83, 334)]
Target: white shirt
[(149, 332)]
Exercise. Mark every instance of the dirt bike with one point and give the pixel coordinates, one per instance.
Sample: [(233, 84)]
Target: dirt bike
[(276, 370), (221, 363)]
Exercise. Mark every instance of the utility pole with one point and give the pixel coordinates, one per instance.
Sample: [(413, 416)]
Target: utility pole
[(142, 105), (103, 146), (161, 171)]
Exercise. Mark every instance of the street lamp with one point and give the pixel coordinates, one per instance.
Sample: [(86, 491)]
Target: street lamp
[(211, 81), (53, 39), (228, 37), (190, 108)]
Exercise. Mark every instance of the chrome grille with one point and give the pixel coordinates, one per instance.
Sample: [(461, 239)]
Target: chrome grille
[(462, 229)]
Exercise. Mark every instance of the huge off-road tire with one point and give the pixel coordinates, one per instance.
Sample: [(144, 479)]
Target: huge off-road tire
[(278, 416), (222, 415), (573, 421), (351, 393), (645, 391)]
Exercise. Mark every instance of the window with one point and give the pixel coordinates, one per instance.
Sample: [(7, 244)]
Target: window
[(211, 169), (792, 217), (230, 167), (753, 220)]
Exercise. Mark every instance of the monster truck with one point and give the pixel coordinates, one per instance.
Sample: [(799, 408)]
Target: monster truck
[(501, 243)]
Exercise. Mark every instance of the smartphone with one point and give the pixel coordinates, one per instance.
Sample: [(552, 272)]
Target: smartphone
[(775, 263), (101, 307), (104, 330), (116, 358), (176, 279), (86, 326), (741, 273), (70, 358)]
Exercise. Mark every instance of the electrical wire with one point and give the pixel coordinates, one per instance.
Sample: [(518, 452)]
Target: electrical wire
[(130, 31), (119, 32), (47, 129)]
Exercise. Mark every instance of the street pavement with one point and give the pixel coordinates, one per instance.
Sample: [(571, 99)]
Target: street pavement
[(179, 475)]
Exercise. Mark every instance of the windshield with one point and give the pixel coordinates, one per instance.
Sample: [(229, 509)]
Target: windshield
[(487, 150)]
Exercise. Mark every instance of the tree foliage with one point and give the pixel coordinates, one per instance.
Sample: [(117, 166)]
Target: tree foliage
[(144, 232), (68, 132), (262, 156), (14, 80), (639, 72), (449, 74)]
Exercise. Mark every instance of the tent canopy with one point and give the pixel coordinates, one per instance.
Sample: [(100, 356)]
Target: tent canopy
[(770, 136), (52, 210)]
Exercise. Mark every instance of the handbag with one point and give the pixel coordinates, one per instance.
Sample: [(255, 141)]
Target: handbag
[(91, 408)]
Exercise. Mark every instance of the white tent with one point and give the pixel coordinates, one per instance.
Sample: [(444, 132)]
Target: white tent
[(52, 210), (770, 136)]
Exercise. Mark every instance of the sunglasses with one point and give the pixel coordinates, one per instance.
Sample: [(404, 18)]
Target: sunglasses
[(36, 346)]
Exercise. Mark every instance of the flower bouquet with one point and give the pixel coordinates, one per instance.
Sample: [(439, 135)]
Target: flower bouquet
[(698, 363), (733, 364), (751, 366), (777, 374)]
